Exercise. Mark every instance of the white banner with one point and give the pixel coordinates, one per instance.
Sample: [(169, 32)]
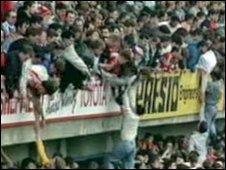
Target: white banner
[(69, 104)]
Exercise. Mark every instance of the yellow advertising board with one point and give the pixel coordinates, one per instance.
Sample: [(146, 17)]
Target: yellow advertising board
[(162, 95)]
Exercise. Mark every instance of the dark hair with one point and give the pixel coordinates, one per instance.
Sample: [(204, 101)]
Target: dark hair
[(28, 4), (174, 18), (177, 39), (203, 127), (52, 33), (25, 162), (31, 31), (175, 49), (216, 74), (67, 34), (164, 29), (96, 44), (69, 161), (69, 12), (193, 156), (207, 164), (27, 49), (36, 19), (189, 17), (55, 26), (60, 6), (21, 22), (127, 54), (200, 14)]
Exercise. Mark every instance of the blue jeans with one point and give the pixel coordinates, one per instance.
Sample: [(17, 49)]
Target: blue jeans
[(210, 117), (124, 153)]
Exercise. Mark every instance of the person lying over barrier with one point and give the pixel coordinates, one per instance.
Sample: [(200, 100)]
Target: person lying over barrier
[(35, 82)]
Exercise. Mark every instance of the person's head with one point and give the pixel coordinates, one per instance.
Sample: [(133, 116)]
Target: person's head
[(28, 163), (201, 16), (56, 27), (154, 161), (79, 22), (148, 137), (11, 17), (93, 165), (61, 11), (31, 7), (113, 43), (22, 26), (97, 46), (52, 36), (71, 163), (125, 56), (202, 127), (169, 164), (68, 35), (26, 52), (205, 46), (36, 21), (216, 74), (193, 157), (114, 15), (70, 17), (218, 165), (93, 35), (78, 34), (189, 18), (165, 41), (34, 34), (105, 33), (129, 26), (207, 164), (174, 21), (59, 163)]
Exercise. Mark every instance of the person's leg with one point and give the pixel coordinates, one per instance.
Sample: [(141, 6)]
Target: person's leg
[(210, 117), (117, 154), (129, 162)]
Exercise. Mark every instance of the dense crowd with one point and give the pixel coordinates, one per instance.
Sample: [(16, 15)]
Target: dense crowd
[(153, 152), (162, 36), (54, 40)]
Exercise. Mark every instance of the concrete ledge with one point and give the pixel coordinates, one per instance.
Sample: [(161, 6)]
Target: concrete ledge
[(69, 129), (53, 131)]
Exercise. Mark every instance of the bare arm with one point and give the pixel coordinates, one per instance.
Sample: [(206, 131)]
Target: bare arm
[(6, 158)]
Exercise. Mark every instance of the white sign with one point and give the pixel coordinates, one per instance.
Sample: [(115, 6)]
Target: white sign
[(69, 104)]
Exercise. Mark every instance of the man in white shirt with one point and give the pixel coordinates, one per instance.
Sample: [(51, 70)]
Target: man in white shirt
[(9, 25), (198, 141), (125, 150), (206, 64)]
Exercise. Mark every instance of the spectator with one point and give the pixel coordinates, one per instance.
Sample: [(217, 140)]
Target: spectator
[(25, 12), (9, 25), (213, 94), (198, 141)]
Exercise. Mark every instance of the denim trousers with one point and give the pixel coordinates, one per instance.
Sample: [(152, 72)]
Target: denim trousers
[(124, 154)]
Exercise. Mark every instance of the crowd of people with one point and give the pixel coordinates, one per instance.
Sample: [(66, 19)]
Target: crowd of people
[(48, 45), (153, 152)]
